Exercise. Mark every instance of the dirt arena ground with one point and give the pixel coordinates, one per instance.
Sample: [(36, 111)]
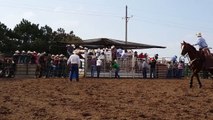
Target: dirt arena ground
[(105, 99)]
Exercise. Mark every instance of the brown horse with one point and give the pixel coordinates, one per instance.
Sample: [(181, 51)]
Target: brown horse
[(198, 61), (41, 65), (39, 72)]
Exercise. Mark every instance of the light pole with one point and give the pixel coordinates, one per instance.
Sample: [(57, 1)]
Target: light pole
[(126, 21)]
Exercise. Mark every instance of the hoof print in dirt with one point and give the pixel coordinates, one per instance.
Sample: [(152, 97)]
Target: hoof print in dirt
[(86, 114), (142, 115), (39, 112), (5, 110)]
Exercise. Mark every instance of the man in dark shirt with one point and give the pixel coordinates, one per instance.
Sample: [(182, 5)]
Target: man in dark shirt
[(153, 66)]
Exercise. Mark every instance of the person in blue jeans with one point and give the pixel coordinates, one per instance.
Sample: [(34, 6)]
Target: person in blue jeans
[(152, 68), (98, 66), (93, 65), (116, 66), (169, 71), (180, 69), (74, 62), (145, 67)]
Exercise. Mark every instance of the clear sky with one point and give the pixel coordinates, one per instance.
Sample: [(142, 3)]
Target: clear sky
[(157, 22)]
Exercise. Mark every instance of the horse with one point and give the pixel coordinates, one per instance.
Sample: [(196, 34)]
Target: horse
[(41, 65), (38, 71), (198, 61)]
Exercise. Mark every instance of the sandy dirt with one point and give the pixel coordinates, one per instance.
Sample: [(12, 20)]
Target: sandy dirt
[(105, 99)]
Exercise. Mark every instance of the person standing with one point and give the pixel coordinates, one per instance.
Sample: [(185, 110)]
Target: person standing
[(93, 65), (174, 63), (113, 52), (169, 69), (153, 66), (98, 66), (74, 62), (174, 59), (16, 57), (180, 69), (145, 66), (116, 66)]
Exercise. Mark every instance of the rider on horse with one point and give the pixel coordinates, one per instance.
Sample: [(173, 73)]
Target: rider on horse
[(201, 42)]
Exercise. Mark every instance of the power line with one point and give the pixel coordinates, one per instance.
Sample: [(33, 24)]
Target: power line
[(166, 22), (152, 20), (68, 11), (173, 24)]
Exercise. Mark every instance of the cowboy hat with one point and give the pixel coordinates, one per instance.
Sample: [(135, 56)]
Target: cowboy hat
[(198, 34)]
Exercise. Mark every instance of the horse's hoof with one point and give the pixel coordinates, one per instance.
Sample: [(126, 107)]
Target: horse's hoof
[(200, 86), (190, 86)]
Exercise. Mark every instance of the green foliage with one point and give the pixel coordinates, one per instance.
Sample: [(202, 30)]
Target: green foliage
[(29, 36), (6, 44)]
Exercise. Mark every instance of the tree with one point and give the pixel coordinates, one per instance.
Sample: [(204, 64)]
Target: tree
[(47, 38), (5, 42), (27, 34)]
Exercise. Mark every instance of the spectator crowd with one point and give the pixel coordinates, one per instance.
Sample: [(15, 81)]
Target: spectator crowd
[(98, 59), (54, 65)]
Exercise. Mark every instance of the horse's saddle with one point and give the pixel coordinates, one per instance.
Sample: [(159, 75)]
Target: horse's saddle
[(206, 52), (208, 64)]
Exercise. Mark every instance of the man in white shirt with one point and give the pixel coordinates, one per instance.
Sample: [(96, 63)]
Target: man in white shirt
[(74, 62), (145, 67), (98, 66)]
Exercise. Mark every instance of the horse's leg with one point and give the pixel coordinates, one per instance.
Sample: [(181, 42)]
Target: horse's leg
[(198, 79), (40, 72), (211, 71), (191, 80), (36, 72), (195, 73)]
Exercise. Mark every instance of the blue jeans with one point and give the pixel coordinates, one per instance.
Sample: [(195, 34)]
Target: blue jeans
[(169, 73), (152, 72), (92, 70), (74, 69), (144, 73), (116, 73), (174, 72), (180, 71), (98, 71)]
